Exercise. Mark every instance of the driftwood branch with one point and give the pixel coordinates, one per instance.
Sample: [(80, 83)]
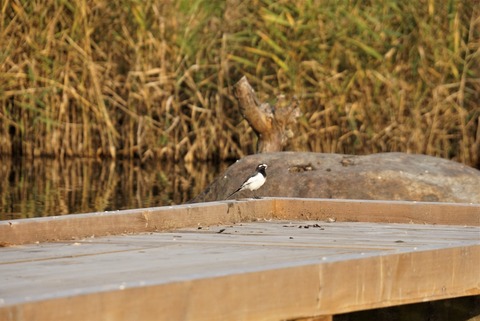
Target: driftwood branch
[(270, 123)]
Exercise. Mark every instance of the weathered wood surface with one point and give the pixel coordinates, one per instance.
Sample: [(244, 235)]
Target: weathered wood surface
[(270, 123), (172, 217), (268, 270), (271, 259)]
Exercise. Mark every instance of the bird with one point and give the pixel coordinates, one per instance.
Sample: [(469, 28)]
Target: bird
[(255, 181)]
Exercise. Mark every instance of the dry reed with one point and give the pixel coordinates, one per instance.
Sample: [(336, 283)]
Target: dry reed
[(152, 79), (44, 187)]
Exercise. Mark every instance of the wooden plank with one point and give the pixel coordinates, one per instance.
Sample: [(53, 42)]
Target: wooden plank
[(378, 211), (166, 218), (267, 270), (318, 318), (171, 217)]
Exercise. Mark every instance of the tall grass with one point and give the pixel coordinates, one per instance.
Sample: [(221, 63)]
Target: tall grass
[(44, 186), (153, 79)]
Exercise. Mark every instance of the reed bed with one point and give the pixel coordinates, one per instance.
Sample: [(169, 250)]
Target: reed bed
[(44, 186), (153, 79)]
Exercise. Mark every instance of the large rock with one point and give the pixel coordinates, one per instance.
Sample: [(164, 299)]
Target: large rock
[(387, 176)]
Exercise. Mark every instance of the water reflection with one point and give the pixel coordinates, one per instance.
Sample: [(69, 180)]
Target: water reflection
[(46, 187)]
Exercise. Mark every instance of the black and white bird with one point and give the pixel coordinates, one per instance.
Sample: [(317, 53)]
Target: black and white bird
[(255, 181)]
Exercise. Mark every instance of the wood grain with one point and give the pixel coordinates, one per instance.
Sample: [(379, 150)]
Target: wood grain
[(378, 211), (71, 227), (264, 270)]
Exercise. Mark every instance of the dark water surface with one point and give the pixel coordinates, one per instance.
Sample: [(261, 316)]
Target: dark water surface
[(46, 187)]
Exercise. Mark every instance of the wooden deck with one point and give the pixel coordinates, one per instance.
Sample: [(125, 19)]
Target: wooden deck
[(271, 259)]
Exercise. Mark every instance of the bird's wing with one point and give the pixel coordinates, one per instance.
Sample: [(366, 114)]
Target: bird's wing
[(245, 184), (249, 181)]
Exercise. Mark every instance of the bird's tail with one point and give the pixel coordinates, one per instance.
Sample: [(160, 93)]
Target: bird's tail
[(233, 193)]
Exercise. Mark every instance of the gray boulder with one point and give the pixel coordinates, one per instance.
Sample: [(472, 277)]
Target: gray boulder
[(386, 176)]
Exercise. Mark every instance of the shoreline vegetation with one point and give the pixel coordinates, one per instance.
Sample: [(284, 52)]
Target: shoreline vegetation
[(153, 79), (46, 186)]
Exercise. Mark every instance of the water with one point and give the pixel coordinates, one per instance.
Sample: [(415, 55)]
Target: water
[(46, 187)]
